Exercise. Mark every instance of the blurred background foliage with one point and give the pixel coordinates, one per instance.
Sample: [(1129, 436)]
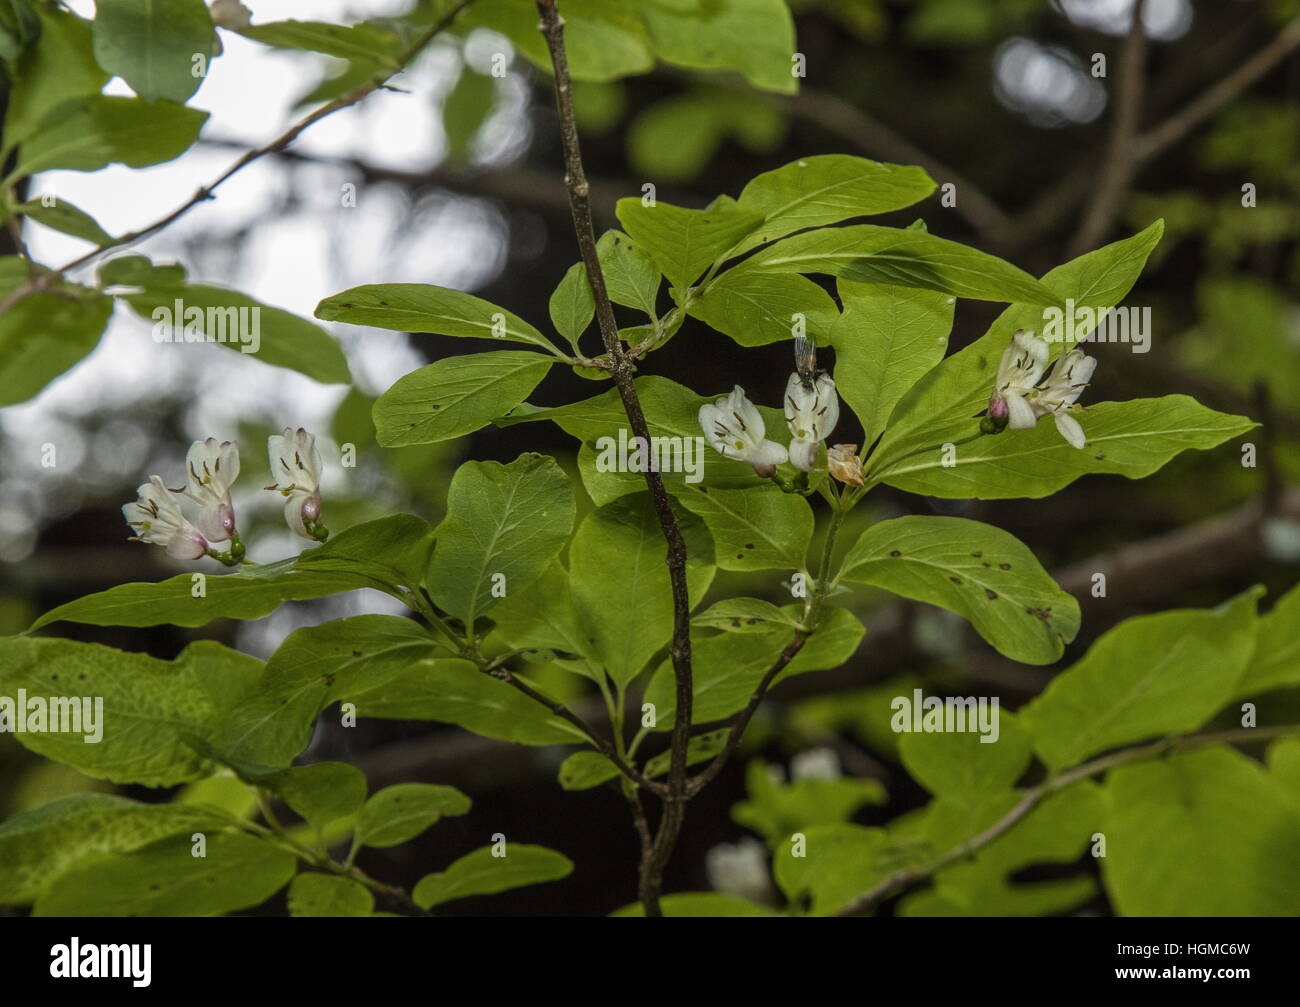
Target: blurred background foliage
[(994, 96)]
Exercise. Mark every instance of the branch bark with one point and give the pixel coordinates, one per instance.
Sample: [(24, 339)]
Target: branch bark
[(621, 369)]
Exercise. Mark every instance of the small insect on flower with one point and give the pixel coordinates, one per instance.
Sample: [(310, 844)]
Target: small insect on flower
[(296, 465), (156, 519), (812, 406), (734, 426)]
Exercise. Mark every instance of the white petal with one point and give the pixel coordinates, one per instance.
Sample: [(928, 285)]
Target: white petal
[(803, 454), (1020, 415), (745, 416), (831, 400), (1070, 429), (766, 453)]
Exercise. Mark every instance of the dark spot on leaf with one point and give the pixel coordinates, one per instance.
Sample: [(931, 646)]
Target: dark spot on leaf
[(990, 594), (754, 621), (1100, 458), (895, 553), (356, 653), (435, 406), (740, 555), (1004, 566), (735, 621), (978, 555), (955, 580), (749, 545), (987, 564)]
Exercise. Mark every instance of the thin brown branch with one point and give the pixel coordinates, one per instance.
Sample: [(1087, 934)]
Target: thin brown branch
[(621, 369), (1120, 164), (738, 723), (901, 880), (44, 280)]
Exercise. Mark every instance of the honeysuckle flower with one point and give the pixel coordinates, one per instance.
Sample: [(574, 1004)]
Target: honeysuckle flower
[(740, 869), (811, 414), (1058, 394), (734, 426), (211, 467), (1023, 363), (845, 465), (156, 518), (296, 466)]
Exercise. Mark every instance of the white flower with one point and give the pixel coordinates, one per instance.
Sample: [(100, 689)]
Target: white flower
[(157, 519), (1023, 363), (211, 467), (1057, 395), (740, 869), (811, 414), (815, 764), (296, 466), (734, 426)]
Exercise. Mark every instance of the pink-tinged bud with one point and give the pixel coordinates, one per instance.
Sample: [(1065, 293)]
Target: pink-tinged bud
[(311, 508), (764, 469), (998, 408), (187, 544), (226, 518)]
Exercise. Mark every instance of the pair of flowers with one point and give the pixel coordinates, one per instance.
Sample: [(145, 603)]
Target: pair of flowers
[(735, 428), (1019, 401), (211, 469)]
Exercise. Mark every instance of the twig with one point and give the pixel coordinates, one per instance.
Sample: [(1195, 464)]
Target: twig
[(907, 877), (283, 140), (1120, 164), (621, 370)]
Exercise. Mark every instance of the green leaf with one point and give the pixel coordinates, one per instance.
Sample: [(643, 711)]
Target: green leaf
[(323, 792), (482, 873), (59, 67), (940, 406), (150, 708), (456, 396), (714, 904), (886, 340), (603, 39), (753, 529), (329, 895), (620, 581), (966, 766), (235, 320), (976, 570), (404, 810), (314, 667), (744, 615), (166, 879), (465, 109), (504, 526), (138, 271), (1150, 675), (729, 666), (1275, 664), (759, 308), (1212, 815), (631, 276), (421, 307), (684, 243), (754, 37), (63, 216), (776, 809), (872, 254), (44, 335), (19, 27), (542, 615), (361, 41), (456, 692), (584, 770), (39, 845), (838, 863), (572, 306), (828, 188), (1132, 439), (1054, 832), (151, 44), (87, 134), (384, 554)]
